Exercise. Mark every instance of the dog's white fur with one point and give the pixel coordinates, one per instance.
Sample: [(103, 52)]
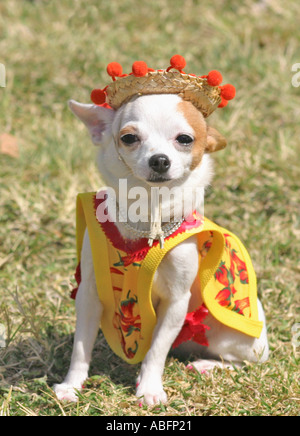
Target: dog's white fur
[(157, 121)]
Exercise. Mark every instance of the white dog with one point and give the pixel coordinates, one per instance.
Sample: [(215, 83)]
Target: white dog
[(155, 140)]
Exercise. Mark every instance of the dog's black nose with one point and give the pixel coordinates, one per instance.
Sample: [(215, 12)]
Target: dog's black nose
[(160, 163)]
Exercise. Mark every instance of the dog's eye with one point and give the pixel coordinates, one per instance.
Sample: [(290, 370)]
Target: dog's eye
[(129, 139), (184, 139)]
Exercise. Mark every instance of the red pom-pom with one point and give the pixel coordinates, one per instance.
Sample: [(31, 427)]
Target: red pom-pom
[(178, 62), (214, 78), (114, 69), (223, 102), (228, 92), (98, 96), (139, 68)]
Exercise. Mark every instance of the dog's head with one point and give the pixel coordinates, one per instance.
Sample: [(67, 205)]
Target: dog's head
[(157, 139)]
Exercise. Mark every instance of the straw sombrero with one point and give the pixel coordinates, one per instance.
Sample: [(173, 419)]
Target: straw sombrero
[(204, 92)]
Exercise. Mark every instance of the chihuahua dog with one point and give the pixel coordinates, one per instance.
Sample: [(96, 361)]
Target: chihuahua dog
[(155, 140)]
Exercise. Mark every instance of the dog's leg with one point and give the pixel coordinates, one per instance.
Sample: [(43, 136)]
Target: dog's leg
[(172, 285), (89, 311), (170, 318)]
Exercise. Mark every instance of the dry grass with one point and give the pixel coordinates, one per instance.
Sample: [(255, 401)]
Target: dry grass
[(54, 51)]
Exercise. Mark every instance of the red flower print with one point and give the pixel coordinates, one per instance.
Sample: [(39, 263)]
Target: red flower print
[(127, 321), (232, 269), (131, 353), (130, 325), (241, 305), (224, 275), (221, 274), (239, 263), (116, 271), (244, 276), (224, 297), (206, 247), (241, 267), (226, 236), (135, 258), (128, 305)]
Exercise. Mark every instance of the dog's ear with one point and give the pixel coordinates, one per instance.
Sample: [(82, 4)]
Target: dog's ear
[(215, 141), (96, 118)]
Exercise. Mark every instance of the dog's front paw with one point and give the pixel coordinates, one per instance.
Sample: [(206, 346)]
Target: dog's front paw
[(151, 393), (65, 392)]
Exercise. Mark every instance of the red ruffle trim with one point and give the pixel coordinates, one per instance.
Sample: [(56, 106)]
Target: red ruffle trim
[(78, 281), (193, 328), (138, 249)]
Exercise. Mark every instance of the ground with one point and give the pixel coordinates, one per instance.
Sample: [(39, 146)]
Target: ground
[(54, 51)]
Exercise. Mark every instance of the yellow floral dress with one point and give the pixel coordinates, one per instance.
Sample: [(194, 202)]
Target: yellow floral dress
[(124, 270)]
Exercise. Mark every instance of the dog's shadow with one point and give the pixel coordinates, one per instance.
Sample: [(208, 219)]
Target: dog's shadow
[(28, 360), (105, 362)]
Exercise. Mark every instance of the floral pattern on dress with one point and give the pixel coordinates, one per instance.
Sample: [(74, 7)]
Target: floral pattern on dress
[(232, 274), (128, 323)]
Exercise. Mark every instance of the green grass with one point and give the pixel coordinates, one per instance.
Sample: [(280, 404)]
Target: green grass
[(56, 50)]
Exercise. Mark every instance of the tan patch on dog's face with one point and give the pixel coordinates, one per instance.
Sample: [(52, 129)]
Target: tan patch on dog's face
[(198, 124), (128, 130)]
